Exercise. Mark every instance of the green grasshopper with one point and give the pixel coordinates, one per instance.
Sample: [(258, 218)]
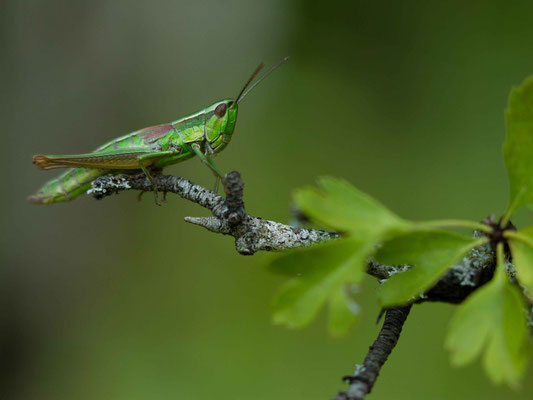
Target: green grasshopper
[(203, 134)]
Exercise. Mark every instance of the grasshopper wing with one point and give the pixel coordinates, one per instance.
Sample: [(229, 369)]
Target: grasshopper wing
[(117, 159)]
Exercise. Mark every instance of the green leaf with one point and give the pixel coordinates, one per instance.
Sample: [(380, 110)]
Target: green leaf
[(518, 146), (493, 318), (522, 251), (320, 274), (431, 253), (343, 311), (341, 206)]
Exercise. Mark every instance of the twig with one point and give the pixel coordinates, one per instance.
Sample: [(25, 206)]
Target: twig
[(251, 233), (363, 379)]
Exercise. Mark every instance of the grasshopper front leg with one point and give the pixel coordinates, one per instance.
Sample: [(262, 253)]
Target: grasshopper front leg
[(206, 159)]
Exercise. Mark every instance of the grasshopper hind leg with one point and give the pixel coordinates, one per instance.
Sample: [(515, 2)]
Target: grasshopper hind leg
[(217, 184), (152, 181), (145, 162)]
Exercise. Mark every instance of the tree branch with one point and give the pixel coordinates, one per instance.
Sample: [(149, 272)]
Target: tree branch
[(251, 233), (363, 379), (254, 234)]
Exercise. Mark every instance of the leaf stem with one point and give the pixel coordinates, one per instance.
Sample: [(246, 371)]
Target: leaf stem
[(518, 236), (511, 208), (479, 242), (499, 274), (455, 223)]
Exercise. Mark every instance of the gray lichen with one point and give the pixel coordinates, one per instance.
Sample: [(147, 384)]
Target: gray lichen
[(254, 234), (108, 184), (466, 270)]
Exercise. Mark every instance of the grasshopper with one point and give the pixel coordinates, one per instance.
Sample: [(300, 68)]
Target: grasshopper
[(201, 134)]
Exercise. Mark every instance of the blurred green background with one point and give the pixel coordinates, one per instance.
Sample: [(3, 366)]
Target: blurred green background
[(122, 300)]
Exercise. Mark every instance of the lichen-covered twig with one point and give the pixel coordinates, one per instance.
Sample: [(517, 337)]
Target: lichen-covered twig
[(251, 233), (363, 379)]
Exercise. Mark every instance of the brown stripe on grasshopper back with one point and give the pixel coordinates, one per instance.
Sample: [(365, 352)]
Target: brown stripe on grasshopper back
[(154, 133)]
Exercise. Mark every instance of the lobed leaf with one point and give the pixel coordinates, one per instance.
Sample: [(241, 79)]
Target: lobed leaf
[(493, 318), (522, 252), (341, 206), (320, 275), (518, 146), (343, 311), (431, 253)]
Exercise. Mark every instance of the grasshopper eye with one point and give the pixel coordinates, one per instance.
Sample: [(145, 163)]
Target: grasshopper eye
[(220, 110)]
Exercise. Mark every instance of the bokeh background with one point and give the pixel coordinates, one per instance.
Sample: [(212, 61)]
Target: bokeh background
[(120, 299)]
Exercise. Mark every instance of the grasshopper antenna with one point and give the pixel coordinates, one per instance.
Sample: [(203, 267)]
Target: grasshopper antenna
[(247, 88), (259, 68)]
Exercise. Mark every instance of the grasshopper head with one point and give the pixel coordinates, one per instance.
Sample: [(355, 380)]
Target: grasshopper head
[(221, 123)]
